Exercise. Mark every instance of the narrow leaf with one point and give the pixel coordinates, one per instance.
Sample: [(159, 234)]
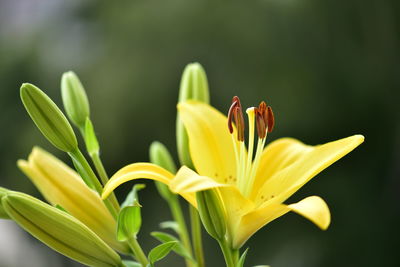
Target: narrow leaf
[(170, 225), (178, 249), (243, 258), (161, 251), (92, 145)]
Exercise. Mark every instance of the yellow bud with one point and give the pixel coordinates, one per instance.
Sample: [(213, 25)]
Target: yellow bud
[(59, 230), (48, 118), (60, 185)]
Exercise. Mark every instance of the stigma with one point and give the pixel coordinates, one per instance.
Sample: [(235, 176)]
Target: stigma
[(261, 122)]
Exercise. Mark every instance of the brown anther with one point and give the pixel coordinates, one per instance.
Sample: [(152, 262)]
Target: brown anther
[(230, 116), (235, 114), (270, 119), (239, 121), (261, 122)]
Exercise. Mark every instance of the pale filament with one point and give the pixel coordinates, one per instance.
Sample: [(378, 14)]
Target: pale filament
[(247, 166)]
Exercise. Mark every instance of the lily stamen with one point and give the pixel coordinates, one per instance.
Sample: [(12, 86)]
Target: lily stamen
[(235, 115), (260, 118)]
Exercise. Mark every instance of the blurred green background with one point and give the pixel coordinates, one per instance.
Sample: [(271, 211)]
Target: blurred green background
[(328, 68)]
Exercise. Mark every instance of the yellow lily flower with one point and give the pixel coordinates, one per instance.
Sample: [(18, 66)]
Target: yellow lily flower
[(61, 185), (252, 189)]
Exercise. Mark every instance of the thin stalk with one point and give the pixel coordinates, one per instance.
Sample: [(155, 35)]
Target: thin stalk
[(177, 214), (85, 167), (231, 255), (196, 235), (138, 251), (98, 164)]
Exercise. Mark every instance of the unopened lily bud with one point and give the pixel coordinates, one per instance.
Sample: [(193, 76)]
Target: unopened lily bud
[(194, 85), (61, 185), (212, 213), (48, 118), (59, 230), (160, 155), (75, 101), (3, 214)]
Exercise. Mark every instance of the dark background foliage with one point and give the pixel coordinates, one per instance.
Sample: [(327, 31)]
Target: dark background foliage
[(329, 69)]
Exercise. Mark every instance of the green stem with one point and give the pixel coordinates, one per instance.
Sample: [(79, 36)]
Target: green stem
[(177, 214), (231, 255), (98, 164), (138, 251), (86, 171), (196, 235)]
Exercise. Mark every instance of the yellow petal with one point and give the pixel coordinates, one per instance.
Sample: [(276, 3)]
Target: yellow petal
[(210, 143), (236, 205), (137, 171), (312, 161), (143, 171), (315, 209), (254, 220), (276, 156), (188, 181)]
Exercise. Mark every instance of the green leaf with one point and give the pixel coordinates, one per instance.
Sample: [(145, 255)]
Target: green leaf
[(92, 145), (129, 218), (178, 249), (170, 225), (131, 264), (243, 258), (132, 196), (161, 251)]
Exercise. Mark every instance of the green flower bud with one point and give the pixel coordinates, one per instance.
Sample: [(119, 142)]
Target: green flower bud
[(160, 155), (48, 118), (194, 85), (59, 230), (3, 214), (212, 213), (75, 101)]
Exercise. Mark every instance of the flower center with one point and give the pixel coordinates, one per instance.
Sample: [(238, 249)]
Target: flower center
[(260, 118)]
